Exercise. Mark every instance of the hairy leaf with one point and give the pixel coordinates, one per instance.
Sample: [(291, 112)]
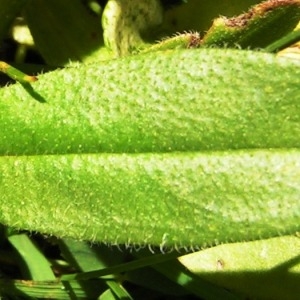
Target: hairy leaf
[(170, 148)]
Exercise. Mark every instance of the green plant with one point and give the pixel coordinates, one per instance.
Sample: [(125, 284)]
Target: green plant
[(175, 145)]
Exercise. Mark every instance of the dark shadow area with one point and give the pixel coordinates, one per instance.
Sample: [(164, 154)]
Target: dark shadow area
[(11, 288), (279, 281)]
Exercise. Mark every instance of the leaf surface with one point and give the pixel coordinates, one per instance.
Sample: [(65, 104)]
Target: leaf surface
[(181, 148)]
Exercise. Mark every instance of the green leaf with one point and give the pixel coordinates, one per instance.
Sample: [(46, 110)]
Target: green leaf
[(284, 42), (260, 26), (267, 269), (45, 289), (197, 15), (188, 100), (170, 149), (85, 258), (177, 199), (34, 264)]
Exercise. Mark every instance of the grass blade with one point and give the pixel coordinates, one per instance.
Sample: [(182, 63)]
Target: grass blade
[(35, 265)]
